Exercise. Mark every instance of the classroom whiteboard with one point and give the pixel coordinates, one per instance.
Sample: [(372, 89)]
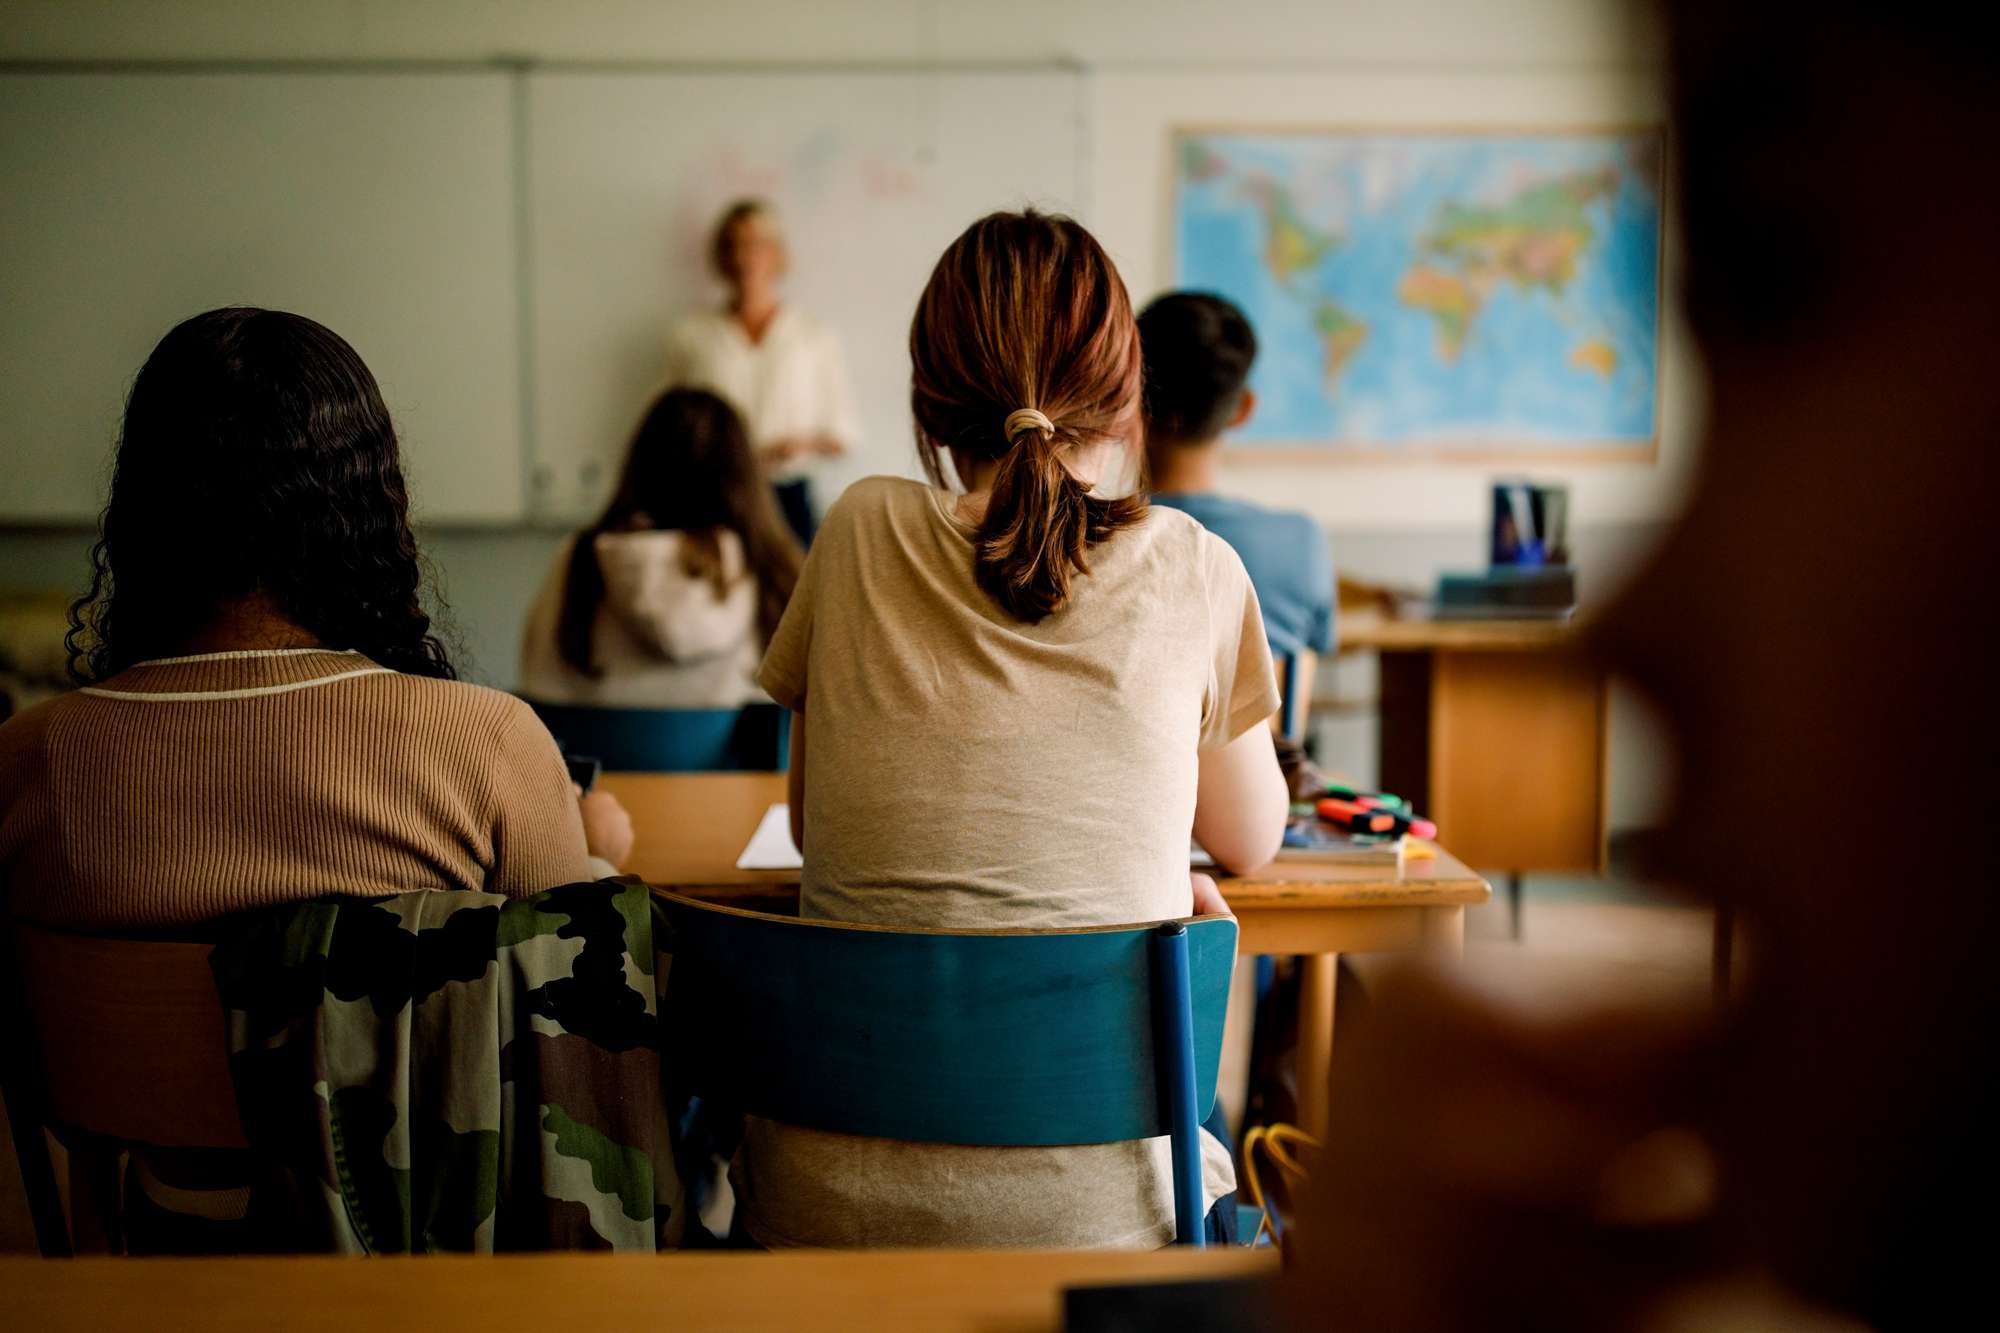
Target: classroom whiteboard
[(380, 204), (873, 175)]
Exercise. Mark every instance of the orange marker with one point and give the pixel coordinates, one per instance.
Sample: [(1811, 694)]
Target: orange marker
[(1358, 818)]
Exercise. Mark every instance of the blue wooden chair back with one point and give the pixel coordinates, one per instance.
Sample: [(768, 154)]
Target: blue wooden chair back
[(1009, 1039), (672, 740), (1291, 707)]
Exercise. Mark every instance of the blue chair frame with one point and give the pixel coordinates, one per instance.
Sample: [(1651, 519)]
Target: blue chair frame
[(1291, 708), (755, 737), (997, 1038)]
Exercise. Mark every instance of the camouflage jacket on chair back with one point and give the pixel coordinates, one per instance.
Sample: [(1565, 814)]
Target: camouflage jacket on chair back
[(456, 1071)]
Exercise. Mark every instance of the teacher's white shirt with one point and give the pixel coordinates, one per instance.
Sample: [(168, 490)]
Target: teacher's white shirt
[(792, 382)]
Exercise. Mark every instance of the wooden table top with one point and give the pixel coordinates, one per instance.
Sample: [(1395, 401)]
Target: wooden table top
[(690, 828), (1015, 1290), (1376, 632)]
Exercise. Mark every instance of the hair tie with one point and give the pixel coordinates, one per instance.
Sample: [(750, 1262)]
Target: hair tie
[(1027, 419)]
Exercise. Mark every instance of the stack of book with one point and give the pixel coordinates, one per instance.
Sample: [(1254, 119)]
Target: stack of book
[(1508, 592)]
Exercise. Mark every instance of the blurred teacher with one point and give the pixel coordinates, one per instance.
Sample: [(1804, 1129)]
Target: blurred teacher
[(775, 364)]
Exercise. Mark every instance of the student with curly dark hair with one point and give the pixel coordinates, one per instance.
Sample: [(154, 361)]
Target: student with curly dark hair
[(266, 713)]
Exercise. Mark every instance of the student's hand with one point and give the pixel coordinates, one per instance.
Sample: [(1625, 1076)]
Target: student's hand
[(828, 447), (607, 828), (787, 450), (1208, 899)]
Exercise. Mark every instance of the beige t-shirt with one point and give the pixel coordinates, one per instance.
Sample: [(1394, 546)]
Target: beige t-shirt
[(966, 771)]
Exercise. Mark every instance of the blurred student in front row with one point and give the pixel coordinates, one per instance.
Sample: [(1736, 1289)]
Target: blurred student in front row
[(1198, 351), (668, 599), (266, 715), (1013, 704)]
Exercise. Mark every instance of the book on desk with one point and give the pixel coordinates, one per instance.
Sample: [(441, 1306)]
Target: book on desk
[(1507, 592)]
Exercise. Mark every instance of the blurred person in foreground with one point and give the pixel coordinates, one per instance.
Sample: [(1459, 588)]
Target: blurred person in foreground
[(1820, 1153)]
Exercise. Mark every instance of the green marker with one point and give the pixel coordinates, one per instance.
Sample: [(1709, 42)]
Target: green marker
[(1384, 800)]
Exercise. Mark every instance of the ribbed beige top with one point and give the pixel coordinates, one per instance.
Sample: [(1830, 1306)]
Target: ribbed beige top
[(187, 788)]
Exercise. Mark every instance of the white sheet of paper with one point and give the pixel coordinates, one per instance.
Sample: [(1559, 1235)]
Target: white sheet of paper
[(771, 845)]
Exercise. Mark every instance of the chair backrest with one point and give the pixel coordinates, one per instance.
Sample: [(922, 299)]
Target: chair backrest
[(1296, 671), (671, 740), (993, 1038), (128, 1040)]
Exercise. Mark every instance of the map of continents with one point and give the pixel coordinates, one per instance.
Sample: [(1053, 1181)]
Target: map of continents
[(1433, 292)]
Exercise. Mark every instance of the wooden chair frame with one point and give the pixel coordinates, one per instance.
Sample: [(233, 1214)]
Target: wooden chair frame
[(120, 1042)]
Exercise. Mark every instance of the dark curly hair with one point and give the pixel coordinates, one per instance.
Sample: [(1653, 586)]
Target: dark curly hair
[(257, 457)]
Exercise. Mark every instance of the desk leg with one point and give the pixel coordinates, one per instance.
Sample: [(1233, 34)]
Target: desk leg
[(1444, 931), (1318, 980)]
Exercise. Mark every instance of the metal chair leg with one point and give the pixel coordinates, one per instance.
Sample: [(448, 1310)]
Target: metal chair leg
[(38, 1181), (1173, 1009)]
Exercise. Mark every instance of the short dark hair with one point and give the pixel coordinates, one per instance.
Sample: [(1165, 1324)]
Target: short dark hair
[(1198, 350)]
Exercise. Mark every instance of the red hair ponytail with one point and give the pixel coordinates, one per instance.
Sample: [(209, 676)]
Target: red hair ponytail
[(1025, 311)]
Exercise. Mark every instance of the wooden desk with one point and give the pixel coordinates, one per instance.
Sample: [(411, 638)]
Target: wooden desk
[(1496, 729), (691, 827), (1015, 1290)]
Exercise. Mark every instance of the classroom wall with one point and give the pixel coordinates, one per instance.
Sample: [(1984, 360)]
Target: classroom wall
[(1195, 33), (1150, 63), (1135, 111)]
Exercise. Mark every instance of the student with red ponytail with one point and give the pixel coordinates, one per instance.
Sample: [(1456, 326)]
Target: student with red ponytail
[(1021, 698)]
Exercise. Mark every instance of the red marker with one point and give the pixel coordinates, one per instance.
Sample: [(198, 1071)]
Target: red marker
[(1358, 818)]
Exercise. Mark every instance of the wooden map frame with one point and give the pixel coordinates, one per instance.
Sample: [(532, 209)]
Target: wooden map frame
[(1499, 451)]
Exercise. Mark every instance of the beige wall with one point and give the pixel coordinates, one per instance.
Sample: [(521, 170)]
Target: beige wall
[(1149, 64), (1411, 34)]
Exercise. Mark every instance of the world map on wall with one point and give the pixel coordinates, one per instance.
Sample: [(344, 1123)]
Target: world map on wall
[(1433, 293)]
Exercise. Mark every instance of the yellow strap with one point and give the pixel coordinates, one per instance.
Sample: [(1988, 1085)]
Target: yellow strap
[(1277, 1141)]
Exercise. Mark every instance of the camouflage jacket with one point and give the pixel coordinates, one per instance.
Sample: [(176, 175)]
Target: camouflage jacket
[(455, 1071)]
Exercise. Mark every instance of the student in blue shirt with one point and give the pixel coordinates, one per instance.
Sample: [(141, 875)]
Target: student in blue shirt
[(1198, 350)]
